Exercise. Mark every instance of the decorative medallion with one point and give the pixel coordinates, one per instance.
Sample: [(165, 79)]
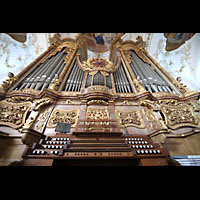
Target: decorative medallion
[(98, 64), (179, 116), (97, 114), (128, 119), (14, 114), (63, 116)]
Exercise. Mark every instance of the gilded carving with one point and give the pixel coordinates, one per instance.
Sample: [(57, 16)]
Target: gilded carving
[(97, 102), (38, 103), (162, 94), (139, 86), (4, 87), (126, 103), (18, 99), (42, 119), (27, 91), (133, 118), (98, 88), (98, 64), (55, 84), (70, 48), (151, 118), (127, 55), (179, 116), (182, 88), (13, 114), (97, 114), (64, 116)]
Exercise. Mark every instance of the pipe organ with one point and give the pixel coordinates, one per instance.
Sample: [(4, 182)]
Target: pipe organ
[(106, 103)]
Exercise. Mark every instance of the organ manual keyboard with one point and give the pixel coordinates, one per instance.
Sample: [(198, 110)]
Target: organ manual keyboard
[(72, 150)]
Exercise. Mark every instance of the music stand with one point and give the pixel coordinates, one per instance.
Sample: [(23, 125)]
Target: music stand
[(63, 127)]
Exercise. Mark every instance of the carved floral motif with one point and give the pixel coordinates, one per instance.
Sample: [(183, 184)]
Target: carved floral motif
[(179, 116), (13, 114), (133, 118), (8, 83), (97, 102), (64, 116), (97, 114)]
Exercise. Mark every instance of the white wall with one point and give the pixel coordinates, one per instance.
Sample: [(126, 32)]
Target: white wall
[(15, 56), (183, 62)]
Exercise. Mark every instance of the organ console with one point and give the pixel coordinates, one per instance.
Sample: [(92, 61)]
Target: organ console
[(64, 149)]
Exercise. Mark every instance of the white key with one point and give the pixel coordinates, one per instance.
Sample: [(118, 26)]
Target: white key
[(158, 151)]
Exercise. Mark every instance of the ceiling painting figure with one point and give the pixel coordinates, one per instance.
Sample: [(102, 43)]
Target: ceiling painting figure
[(100, 42), (20, 37), (175, 40)]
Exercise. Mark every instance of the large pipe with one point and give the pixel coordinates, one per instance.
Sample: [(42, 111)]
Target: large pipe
[(123, 79), (40, 73), (143, 79), (48, 72), (72, 78), (35, 77), (26, 82), (120, 82), (108, 81), (88, 80), (69, 78), (58, 73), (116, 82), (52, 75), (76, 79), (81, 80)]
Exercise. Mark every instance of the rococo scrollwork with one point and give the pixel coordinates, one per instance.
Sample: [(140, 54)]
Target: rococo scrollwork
[(179, 116), (63, 116), (128, 119), (13, 114), (4, 87)]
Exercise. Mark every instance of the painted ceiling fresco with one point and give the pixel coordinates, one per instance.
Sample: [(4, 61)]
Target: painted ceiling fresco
[(20, 37), (100, 42), (175, 40)]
